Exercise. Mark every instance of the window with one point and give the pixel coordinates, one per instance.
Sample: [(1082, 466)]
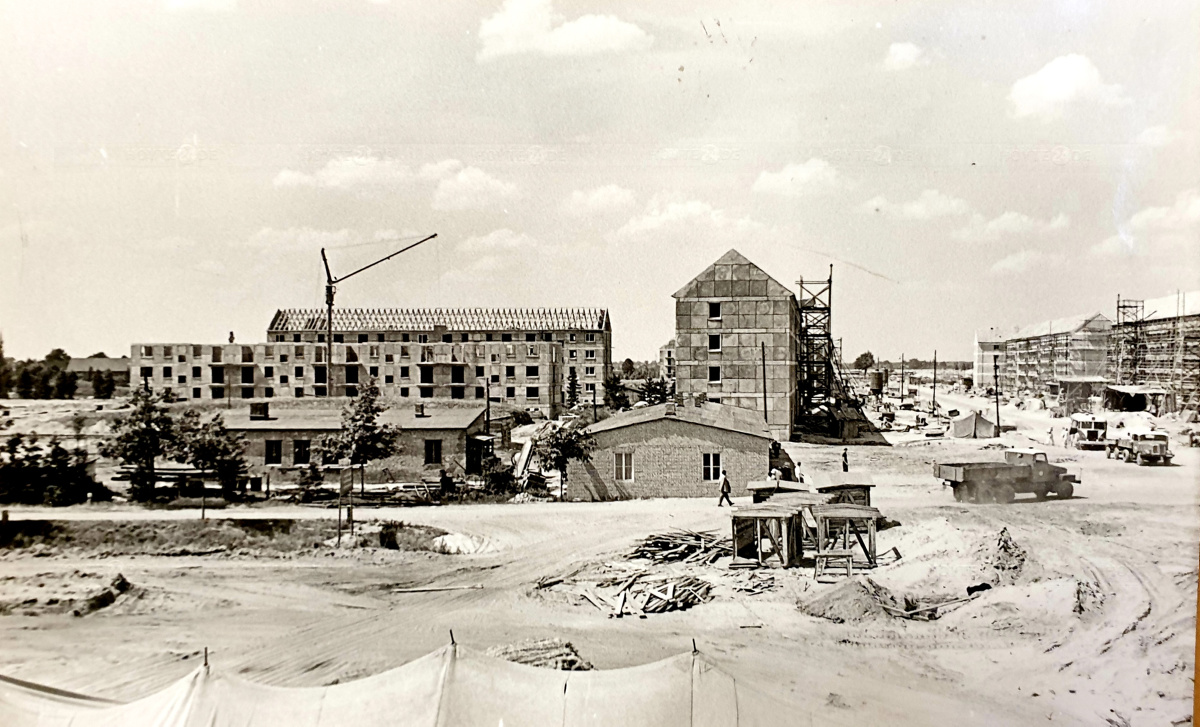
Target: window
[(509, 352), (247, 354), (319, 374), (363, 338), (422, 338), (351, 355), (351, 391), (373, 352), (404, 352), (711, 467), (714, 342), (433, 451), (389, 358), (196, 372), (299, 372), (379, 337), (404, 338), (714, 374), (168, 352), (589, 388), (167, 372), (351, 374), (458, 392), (268, 392), (426, 374), (531, 392), (495, 378), (506, 337), (572, 354), (404, 372), (426, 392), (218, 392), (714, 400), (339, 338), (247, 374), (218, 375), (464, 337), (182, 379), (572, 338), (510, 372), (589, 370), (147, 372), (300, 353), (247, 392), (274, 451), (299, 392), (196, 352), (479, 392), (269, 372), (714, 311), (479, 372), (283, 378), (510, 392), (195, 393), (571, 370), (318, 391), (269, 352), (404, 391), (319, 354), (532, 351), (182, 358), (458, 375), (389, 379), (295, 338), (216, 354), (447, 338), (489, 337), (590, 354), (495, 358), (590, 338), (530, 336), (623, 466), (531, 372)]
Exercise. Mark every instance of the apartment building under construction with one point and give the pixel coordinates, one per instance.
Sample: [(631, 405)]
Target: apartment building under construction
[(1154, 351), (1053, 355)]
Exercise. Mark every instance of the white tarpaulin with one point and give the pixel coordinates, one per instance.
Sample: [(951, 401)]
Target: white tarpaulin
[(451, 687)]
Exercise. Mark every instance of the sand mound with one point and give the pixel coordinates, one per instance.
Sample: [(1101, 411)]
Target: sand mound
[(1006, 560), (850, 601)]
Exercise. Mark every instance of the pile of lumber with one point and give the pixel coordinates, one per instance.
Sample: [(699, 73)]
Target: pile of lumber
[(687, 546), (756, 583), (546, 653), (640, 595)]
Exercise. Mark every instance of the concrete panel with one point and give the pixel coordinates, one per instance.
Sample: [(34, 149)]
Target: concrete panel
[(763, 308), (721, 289), (740, 288), (757, 273), (741, 272), (722, 272), (705, 289), (758, 287)]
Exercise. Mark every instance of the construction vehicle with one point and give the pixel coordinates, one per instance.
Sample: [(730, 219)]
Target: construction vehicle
[(1023, 471), (1088, 431), (1141, 447)]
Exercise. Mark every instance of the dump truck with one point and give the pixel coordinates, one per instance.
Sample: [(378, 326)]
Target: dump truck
[(1141, 447), (1088, 432), (1023, 471)]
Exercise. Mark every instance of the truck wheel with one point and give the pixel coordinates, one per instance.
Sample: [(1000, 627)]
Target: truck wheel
[(1005, 494), (1041, 492), (1065, 490), (1107, 453), (1141, 459), (959, 492)]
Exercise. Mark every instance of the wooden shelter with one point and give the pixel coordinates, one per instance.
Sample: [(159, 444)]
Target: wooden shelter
[(835, 523)]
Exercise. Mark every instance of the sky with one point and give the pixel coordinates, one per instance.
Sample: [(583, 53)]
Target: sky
[(170, 170)]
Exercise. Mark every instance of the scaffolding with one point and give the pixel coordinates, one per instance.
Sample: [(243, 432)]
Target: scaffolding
[(1125, 344), (820, 378), (1159, 349)]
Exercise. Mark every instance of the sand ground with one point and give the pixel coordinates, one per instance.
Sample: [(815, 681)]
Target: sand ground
[(1096, 626)]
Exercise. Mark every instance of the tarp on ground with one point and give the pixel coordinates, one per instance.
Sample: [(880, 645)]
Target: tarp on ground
[(451, 687), (972, 425)]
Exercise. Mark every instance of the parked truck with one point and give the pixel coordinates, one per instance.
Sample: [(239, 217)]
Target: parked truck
[(1141, 447), (1088, 432), (1023, 471)]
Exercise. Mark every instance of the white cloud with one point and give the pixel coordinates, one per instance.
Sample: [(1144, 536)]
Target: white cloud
[(664, 211), (1060, 82), (930, 204), (795, 180), (497, 241), (435, 171), (347, 173), (1157, 136), (1019, 262), (608, 198), (1166, 229), (527, 26), (980, 228), (471, 188), (903, 56)]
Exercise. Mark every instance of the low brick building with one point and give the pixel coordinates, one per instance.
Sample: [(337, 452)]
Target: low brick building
[(672, 450), (431, 439)]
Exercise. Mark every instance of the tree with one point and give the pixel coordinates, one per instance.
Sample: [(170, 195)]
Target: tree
[(104, 384), (99, 354), (58, 359), (656, 391), (43, 383), (572, 388), (139, 438), (644, 370), (65, 384), (25, 383), (32, 475), (562, 445), (864, 361), (6, 374), (627, 368), (615, 396), (211, 448), (362, 438)]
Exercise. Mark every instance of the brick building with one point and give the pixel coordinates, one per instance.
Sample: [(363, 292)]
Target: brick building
[(672, 451), (432, 438), (728, 320)]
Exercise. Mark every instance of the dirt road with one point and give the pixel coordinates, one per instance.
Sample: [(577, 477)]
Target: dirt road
[(1095, 623)]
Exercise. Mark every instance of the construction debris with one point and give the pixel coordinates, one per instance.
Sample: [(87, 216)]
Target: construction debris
[(687, 546), (756, 583), (545, 653)]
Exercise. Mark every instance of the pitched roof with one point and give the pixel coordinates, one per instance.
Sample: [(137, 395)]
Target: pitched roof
[(454, 319), (1059, 325), (457, 417), (733, 266), (83, 365), (717, 416)]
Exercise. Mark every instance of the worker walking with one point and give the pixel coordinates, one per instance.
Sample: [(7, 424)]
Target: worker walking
[(725, 490), (845, 459)]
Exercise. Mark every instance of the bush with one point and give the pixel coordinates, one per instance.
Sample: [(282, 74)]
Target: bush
[(521, 418), (31, 474)]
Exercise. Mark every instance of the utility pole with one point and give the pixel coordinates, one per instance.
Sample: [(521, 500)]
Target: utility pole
[(594, 415), (764, 374), (487, 403), (996, 387), (934, 407), (903, 385)]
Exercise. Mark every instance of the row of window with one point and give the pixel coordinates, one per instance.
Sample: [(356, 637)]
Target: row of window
[(427, 355), (302, 452), (457, 374), (532, 393), (710, 466), (425, 337)]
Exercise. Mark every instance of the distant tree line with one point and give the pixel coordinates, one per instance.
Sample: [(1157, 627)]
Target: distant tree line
[(35, 474), (631, 369), (918, 363), (49, 377)]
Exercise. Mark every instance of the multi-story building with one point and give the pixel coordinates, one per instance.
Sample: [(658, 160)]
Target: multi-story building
[(666, 360), (585, 334), (1155, 345), (1038, 358), (738, 330), (989, 355), (527, 374)]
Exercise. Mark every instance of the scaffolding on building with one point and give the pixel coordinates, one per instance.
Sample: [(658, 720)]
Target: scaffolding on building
[(1159, 349), (1126, 344), (825, 394)]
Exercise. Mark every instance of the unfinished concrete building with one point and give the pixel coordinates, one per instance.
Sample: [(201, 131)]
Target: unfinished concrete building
[(1041, 358), (1154, 351)]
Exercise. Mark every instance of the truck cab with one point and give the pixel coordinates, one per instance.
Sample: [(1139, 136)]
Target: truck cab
[(1147, 447), (1087, 431)]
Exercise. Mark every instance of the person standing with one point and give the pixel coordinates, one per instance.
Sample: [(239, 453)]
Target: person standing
[(726, 488), (845, 459)]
